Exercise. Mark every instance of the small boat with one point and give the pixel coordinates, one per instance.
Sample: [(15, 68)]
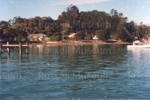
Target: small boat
[(138, 44)]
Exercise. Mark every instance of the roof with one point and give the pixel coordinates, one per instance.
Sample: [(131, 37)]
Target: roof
[(72, 35), (35, 36), (95, 38)]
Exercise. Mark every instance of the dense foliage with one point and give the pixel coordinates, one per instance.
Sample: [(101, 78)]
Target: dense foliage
[(86, 24)]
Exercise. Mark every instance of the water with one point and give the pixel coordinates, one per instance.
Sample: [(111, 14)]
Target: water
[(76, 72)]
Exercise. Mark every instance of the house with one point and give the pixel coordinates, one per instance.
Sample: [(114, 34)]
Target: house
[(36, 37), (72, 36), (95, 38)]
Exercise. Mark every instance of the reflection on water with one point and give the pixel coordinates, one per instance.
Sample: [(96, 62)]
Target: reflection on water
[(140, 58), (76, 72)]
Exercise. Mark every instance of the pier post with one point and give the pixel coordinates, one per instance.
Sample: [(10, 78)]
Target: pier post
[(8, 50), (27, 48), (20, 48)]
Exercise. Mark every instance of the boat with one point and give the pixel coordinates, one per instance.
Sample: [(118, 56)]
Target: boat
[(139, 44)]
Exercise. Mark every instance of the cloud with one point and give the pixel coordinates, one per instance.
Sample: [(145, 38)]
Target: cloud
[(78, 2)]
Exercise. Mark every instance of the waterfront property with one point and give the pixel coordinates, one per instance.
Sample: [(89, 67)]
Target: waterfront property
[(35, 37)]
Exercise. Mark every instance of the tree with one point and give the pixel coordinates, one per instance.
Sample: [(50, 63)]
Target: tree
[(1, 33), (4, 24), (88, 36), (112, 12), (20, 34), (102, 34), (18, 20), (121, 25), (142, 31), (70, 15), (120, 15), (56, 36), (80, 35), (116, 12), (113, 25), (10, 34), (73, 10)]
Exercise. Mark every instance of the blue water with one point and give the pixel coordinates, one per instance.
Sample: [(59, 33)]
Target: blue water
[(76, 72)]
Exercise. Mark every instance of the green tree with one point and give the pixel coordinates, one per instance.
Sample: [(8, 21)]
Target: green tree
[(119, 30), (1, 33), (69, 16), (56, 37), (102, 34), (4, 24), (20, 34), (142, 31), (10, 33)]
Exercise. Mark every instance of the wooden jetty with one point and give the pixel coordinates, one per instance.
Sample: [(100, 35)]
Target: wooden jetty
[(8, 46)]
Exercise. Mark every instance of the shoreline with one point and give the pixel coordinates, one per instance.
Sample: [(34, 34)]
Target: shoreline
[(71, 43), (79, 43)]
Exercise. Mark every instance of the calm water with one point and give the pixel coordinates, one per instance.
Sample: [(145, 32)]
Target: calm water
[(76, 72)]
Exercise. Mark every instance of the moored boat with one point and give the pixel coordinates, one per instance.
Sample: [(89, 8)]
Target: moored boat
[(139, 44)]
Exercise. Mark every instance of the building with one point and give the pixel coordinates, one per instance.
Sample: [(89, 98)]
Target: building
[(36, 37), (72, 36)]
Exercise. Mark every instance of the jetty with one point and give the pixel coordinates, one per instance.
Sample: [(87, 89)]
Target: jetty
[(20, 45)]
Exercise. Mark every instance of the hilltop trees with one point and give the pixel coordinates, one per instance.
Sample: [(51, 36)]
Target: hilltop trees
[(14, 34), (71, 14), (86, 24), (4, 24)]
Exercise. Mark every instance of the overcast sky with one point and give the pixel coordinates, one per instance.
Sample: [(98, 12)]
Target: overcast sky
[(136, 10)]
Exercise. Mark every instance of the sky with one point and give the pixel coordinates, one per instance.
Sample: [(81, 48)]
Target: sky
[(135, 10)]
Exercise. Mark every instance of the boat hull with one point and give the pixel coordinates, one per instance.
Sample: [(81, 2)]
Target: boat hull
[(138, 46)]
